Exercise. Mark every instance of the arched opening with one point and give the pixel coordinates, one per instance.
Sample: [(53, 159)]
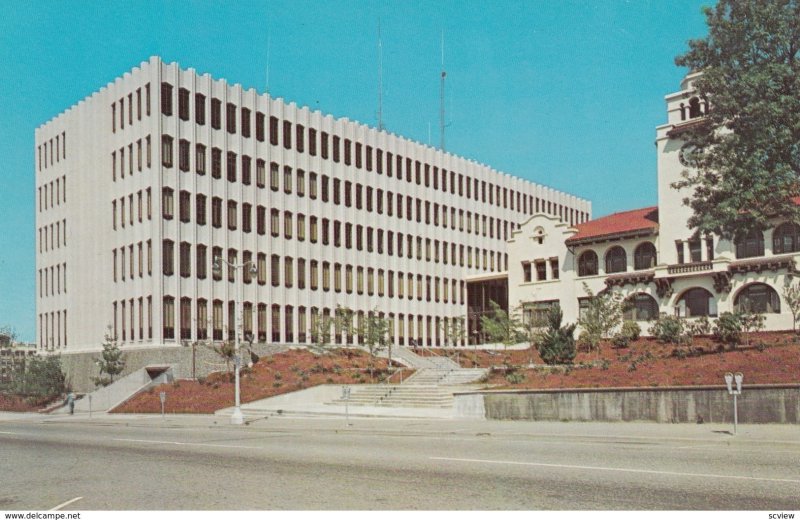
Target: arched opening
[(587, 263), (644, 257), (751, 245), (759, 298), (786, 238), (640, 307), (696, 302), (616, 260), (694, 108)]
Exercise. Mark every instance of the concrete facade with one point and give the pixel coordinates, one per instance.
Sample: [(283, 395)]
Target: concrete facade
[(757, 404), (649, 255), (140, 185)]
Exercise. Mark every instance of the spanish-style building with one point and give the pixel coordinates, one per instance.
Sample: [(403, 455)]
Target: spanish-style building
[(649, 254)]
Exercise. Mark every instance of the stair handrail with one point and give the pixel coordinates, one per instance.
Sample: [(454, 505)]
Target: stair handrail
[(428, 350), (396, 371)]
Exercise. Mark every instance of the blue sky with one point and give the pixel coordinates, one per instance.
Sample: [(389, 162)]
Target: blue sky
[(564, 93)]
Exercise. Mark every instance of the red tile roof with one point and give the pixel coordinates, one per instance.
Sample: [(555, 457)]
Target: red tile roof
[(635, 221)]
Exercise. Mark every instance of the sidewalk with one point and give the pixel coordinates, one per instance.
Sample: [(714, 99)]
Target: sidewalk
[(749, 436)]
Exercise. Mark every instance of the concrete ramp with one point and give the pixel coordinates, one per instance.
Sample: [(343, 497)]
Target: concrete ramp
[(111, 396)]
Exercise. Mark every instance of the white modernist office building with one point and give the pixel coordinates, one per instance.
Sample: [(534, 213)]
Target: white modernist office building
[(142, 184), (650, 255)]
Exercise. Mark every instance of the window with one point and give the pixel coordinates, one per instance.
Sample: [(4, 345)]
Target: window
[(245, 122), (261, 220), (200, 159), (301, 273), (275, 270), (232, 215), (183, 104), (696, 302), (587, 263), (287, 179), (232, 260), (169, 317), (231, 167), (216, 115), (246, 161), (758, 298), (186, 259), (751, 245), (216, 212), (262, 269), (201, 262), (230, 118), (274, 176), (301, 183), (287, 135), (312, 142), (185, 208), (786, 238), (273, 130), (168, 252), (299, 138), (644, 257), (200, 109), (616, 260), (287, 224), (247, 221), (216, 163), (641, 307), (166, 152), (288, 275), (274, 223), (166, 100), (217, 320), (166, 202), (261, 173), (260, 126), (695, 250), (541, 270), (202, 319), (312, 185)]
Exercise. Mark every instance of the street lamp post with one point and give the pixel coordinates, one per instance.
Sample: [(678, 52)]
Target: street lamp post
[(237, 417)]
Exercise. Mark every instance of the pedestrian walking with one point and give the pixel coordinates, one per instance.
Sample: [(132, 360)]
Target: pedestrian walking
[(71, 402)]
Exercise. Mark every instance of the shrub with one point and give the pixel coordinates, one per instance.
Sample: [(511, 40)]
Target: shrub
[(630, 332), (667, 329), (557, 343), (728, 328), (515, 378), (698, 327)]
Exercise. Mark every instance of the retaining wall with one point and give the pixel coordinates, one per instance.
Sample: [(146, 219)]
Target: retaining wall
[(80, 367), (757, 404)]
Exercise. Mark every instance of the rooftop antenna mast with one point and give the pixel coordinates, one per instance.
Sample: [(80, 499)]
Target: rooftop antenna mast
[(269, 41), (380, 79), (441, 99)]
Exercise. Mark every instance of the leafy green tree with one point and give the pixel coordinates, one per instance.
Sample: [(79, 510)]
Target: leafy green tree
[(111, 362), (42, 378), (455, 331), (747, 155), (556, 344), (602, 316), (501, 327)]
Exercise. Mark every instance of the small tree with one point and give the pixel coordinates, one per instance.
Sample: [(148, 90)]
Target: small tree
[(375, 330), (321, 332), (791, 293), (455, 331), (344, 322), (667, 329), (111, 362), (728, 328), (502, 327), (750, 321), (556, 343), (601, 317), (227, 351)]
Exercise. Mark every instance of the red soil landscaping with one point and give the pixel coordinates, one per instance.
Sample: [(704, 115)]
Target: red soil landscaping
[(648, 363), (272, 375)]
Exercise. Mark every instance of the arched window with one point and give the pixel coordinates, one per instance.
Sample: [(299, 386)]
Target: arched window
[(645, 256), (697, 302), (751, 245), (616, 260), (694, 108), (587, 263), (786, 238), (641, 307), (758, 297)]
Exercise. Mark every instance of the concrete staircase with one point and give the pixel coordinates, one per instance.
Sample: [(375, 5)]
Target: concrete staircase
[(446, 377), (399, 396), (409, 358)]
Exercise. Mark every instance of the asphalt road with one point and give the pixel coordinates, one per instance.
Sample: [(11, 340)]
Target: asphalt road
[(202, 463)]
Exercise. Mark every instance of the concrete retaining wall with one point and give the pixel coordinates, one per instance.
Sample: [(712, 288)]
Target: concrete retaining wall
[(757, 404), (80, 367)]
